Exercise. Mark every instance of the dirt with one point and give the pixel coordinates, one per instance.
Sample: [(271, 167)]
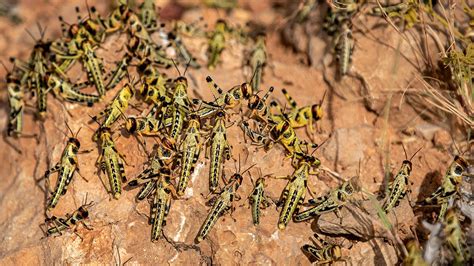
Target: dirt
[(353, 126)]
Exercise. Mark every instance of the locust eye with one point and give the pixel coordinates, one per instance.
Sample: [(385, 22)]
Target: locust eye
[(458, 170), (349, 189)]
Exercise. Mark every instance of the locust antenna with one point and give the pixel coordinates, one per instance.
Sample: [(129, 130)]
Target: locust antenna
[(175, 66), (187, 65), (416, 153)]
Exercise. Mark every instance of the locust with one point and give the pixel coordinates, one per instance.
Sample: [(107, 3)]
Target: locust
[(415, 256), (161, 206), (258, 200), (258, 61), (55, 225), (16, 104), (295, 190), (68, 91), (117, 107), (117, 18), (90, 29), (111, 160), (119, 73), (190, 150), (94, 68), (182, 50), (148, 15), (141, 42), (331, 202), (220, 148), (283, 132), (36, 69), (221, 203), (229, 99), (91, 63), (154, 84), (142, 49), (258, 107), (258, 137), (327, 253), (344, 48), (216, 43), (299, 116), (180, 106), (148, 125), (455, 238), (449, 186), (65, 168), (399, 186), (159, 163)]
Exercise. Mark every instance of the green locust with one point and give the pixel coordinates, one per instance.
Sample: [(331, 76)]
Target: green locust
[(180, 106), (190, 149), (220, 148), (94, 68), (449, 186), (161, 205), (332, 202), (294, 192), (216, 43), (455, 238), (221, 204), (148, 15), (119, 73), (398, 188), (258, 61), (415, 256), (258, 200), (16, 103), (344, 49), (65, 168), (116, 108), (68, 91), (159, 163), (111, 160), (55, 225)]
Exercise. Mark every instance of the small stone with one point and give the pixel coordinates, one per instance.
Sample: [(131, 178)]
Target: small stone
[(442, 138)]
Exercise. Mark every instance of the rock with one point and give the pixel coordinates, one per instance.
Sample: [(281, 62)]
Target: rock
[(427, 130), (374, 252), (347, 146), (442, 139), (364, 223)]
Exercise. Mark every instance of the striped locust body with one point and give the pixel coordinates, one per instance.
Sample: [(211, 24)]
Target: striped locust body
[(190, 150), (221, 204), (66, 168), (333, 201), (258, 200), (220, 148), (295, 191), (111, 161), (449, 186)]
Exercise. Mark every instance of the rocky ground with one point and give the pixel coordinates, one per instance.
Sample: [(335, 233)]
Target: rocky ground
[(364, 124)]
